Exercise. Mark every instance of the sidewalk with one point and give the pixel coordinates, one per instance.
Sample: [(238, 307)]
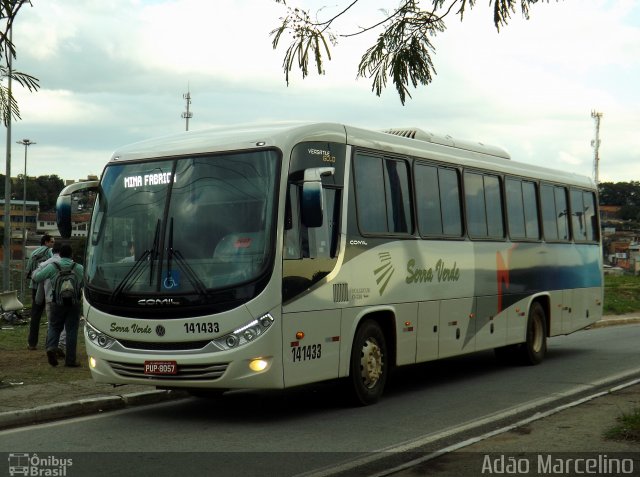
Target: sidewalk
[(568, 430)]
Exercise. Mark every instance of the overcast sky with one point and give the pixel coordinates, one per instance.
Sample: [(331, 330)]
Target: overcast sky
[(114, 72)]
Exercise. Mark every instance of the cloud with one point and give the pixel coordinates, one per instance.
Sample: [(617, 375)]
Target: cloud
[(114, 71)]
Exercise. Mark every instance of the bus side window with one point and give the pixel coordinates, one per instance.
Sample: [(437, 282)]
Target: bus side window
[(562, 213), (484, 205), (438, 201), (292, 238), (548, 204), (578, 216), (315, 242), (383, 195), (522, 209)]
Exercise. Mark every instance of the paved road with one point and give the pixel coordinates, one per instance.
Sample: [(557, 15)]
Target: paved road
[(286, 433)]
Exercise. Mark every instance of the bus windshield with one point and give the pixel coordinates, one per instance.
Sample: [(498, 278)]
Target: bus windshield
[(183, 225)]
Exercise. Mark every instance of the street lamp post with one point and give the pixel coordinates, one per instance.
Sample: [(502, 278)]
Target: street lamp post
[(26, 143)]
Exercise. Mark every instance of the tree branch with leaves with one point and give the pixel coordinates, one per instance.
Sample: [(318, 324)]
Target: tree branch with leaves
[(8, 105), (403, 52)]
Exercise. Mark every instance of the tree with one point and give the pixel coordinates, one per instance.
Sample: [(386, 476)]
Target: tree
[(44, 189), (619, 193), (404, 49), (8, 105)]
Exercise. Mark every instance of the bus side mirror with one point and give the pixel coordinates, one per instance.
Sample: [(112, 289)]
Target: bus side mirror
[(312, 201), (65, 205)]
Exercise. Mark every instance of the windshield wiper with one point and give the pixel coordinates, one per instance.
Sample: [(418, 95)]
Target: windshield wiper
[(183, 265), (154, 250), (132, 275)]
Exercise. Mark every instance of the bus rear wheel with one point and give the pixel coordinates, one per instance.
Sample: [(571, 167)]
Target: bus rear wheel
[(534, 349), (368, 366)]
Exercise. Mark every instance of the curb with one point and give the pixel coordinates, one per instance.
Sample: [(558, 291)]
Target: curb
[(615, 321), (84, 407)]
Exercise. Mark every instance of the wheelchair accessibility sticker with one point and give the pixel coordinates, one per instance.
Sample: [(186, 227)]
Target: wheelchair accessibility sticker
[(171, 280)]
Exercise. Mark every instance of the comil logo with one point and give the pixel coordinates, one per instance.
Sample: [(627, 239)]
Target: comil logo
[(384, 273), (27, 464)]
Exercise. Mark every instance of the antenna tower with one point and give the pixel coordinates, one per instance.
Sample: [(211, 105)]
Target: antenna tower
[(187, 114), (596, 146)]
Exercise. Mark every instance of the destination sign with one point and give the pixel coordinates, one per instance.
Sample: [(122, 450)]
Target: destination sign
[(157, 178)]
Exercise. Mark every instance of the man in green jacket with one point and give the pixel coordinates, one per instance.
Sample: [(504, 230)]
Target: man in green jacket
[(65, 309), (39, 255)]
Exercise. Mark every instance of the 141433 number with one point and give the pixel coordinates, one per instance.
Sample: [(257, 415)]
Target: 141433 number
[(306, 353)]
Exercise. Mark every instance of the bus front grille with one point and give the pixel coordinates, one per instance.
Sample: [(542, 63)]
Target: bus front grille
[(173, 346), (185, 371)]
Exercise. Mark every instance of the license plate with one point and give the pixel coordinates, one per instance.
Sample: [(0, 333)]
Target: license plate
[(160, 367)]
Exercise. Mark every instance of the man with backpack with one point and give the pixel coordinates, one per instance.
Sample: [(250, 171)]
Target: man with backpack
[(39, 255), (66, 307), (48, 296)]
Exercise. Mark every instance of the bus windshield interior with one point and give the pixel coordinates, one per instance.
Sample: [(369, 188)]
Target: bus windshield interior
[(183, 225)]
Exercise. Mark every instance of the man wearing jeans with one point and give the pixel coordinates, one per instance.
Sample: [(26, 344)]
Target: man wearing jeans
[(43, 252), (63, 315), (48, 297)]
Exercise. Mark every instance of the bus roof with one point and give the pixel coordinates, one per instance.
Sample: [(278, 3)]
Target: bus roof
[(403, 141)]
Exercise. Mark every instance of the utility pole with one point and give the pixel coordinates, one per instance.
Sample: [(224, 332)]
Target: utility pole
[(596, 146), (26, 143), (187, 115), (6, 269)]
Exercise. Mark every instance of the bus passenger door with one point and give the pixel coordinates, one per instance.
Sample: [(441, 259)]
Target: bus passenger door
[(457, 327)]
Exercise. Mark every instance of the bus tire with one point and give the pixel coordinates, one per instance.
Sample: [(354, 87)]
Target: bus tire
[(368, 368), (534, 349)]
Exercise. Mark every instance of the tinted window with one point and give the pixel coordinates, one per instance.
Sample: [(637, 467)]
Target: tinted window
[(438, 201), (578, 224), (398, 196), (493, 197), (483, 199), (522, 209), (562, 213), (515, 209), (583, 215), (590, 215), (532, 226), (383, 195), (548, 204), (450, 202), (474, 199), (372, 214), (428, 200)]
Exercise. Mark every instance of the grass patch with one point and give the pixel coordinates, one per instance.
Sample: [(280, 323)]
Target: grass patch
[(621, 294), (19, 365), (627, 427)]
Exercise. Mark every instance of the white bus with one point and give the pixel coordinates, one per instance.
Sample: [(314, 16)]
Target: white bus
[(271, 257)]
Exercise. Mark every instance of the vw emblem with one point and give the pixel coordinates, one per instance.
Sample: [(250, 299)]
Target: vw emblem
[(160, 331)]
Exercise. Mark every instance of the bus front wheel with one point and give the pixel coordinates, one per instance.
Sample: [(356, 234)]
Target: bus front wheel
[(369, 363)]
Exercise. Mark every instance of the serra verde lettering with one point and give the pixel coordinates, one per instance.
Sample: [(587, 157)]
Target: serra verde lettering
[(134, 328), (148, 179), (441, 273)]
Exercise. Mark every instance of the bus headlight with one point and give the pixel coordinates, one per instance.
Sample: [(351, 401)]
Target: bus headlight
[(245, 333), (98, 337)]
